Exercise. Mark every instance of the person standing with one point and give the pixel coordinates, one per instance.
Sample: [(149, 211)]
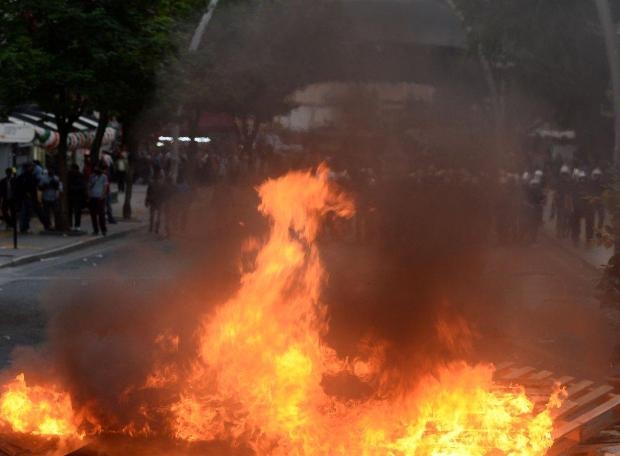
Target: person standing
[(154, 199), (535, 198), (563, 203), (582, 209), (7, 198), (121, 171), (76, 183), (26, 187), (98, 189), (51, 188)]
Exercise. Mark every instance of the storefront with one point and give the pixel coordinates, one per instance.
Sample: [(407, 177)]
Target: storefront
[(46, 137), (16, 141)]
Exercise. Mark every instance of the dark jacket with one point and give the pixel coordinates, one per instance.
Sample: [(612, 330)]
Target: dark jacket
[(7, 189), (26, 186), (76, 183)]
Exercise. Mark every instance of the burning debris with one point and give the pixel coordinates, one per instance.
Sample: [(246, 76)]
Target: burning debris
[(257, 378)]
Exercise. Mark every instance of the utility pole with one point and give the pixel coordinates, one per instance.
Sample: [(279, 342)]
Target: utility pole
[(193, 47), (11, 188), (613, 55), (202, 26)]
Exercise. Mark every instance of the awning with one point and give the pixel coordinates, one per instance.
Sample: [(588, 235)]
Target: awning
[(46, 130)]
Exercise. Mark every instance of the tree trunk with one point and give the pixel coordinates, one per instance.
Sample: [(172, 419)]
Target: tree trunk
[(96, 145), (613, 53)]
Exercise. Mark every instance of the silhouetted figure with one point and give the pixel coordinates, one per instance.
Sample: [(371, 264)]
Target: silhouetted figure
[(7, 198), (582, 209), (535, 198), (98, 189), (563, 203), (154, 201), (26, 187), (51, 189), (77, 193)]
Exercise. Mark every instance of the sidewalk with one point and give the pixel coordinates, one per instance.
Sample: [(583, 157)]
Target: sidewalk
[(593, 255), (40, 245)]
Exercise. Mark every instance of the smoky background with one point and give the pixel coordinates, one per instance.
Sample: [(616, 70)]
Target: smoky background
[(408, 270)]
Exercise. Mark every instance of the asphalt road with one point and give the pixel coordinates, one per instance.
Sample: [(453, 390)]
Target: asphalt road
[(540, 309), (27, 292)]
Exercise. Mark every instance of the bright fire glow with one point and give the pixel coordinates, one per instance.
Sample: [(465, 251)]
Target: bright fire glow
[(258, 378), (36, 409), (262, 363)]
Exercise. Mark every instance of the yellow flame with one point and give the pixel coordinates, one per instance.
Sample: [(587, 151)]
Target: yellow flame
[(262, 362), (259, 373), (37, 409)]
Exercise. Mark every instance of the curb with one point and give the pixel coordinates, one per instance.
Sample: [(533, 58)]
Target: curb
[(70, 247)]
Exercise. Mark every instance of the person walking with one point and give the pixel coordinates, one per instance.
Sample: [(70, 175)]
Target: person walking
[(77, 193), (98, 189), (154, 200), (51, 189), (582, 209), (7, 198)]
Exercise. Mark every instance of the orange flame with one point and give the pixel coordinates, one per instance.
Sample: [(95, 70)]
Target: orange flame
[(37, 410), (262, 363)]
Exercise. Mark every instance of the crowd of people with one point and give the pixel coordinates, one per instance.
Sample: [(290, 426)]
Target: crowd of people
[(33, 190), (573, 196), (570, 197), (168, 200)]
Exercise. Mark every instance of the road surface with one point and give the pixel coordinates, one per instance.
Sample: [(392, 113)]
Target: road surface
[(539, 307)]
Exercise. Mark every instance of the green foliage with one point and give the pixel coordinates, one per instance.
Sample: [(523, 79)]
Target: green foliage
[(74, 56), (69, 56)]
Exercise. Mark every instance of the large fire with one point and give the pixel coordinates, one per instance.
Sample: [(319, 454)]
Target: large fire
[(258, 378)]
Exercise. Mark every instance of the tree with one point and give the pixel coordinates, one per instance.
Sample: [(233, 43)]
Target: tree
[(254, 55), (46, 60), (71, 56), (612, 43), (132, 87), (549, 51)]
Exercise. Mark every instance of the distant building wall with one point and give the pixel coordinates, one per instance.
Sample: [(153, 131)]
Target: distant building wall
[(318, 104)]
